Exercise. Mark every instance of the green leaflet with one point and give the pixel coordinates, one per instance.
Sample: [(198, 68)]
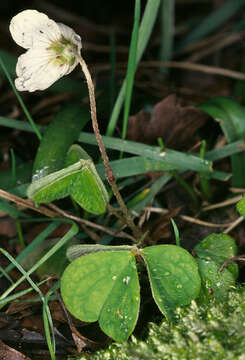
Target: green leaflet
[(104, 286), (213, 283), (218, 248), (241, 207), (61, 169), (53, 186), (212, 252), (173, 275), (79, 180)]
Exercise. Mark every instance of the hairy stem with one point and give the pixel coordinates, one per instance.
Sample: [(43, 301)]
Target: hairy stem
[(110, 176)]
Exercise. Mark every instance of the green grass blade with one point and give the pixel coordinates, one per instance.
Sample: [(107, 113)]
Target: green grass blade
[(147, 23), (131, 67), (24, 108), (20, 234), (21, 293), (72, 232), (112, 84), (167, 32), (180, 160), (204, 181), (155, 188), (11, 210), (46, 312), (226, 150), (35, 242), (48, 322), (213, 155), (13, 166), (176, 232), (212, 22), (231, 116), (9, 62), (133, 166), (150, 158), (219, 175), (16, 124), (6, 275), (239, 87), (26, 275), (176, 158), (163, 180)]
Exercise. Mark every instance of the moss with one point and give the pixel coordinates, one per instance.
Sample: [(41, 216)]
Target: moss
[(215, 331)]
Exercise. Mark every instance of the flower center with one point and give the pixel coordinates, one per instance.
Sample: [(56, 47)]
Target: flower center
[(63, 52)]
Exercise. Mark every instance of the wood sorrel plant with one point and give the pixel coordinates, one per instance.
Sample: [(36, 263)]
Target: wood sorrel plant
[(101, 282), (53, 50)]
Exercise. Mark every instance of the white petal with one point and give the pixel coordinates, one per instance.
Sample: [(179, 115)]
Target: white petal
[(70, 34), (30, 27), (70, 68), (37, 71)]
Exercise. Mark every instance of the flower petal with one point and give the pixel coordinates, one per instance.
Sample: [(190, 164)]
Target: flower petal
[(31, 27), (37, 71), (69, 34)]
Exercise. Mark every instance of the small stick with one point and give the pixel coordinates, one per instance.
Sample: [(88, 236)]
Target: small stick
[(234, 224), (189, 218), (89, 223), (29, 204), (228, 202), (233, 258)]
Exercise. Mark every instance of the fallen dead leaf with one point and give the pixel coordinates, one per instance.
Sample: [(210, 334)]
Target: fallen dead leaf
[(170, 121), (8, 353), (8, 228)]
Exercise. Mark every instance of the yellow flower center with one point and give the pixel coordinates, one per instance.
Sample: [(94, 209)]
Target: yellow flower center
[(63, 52)]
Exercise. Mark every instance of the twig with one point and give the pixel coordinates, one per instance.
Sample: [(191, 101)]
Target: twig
[(237, 190), (228, 202), (89, 223), (203, 223), (222, 42), (189, 218), (234, 224), (28, 204), (233, 258), (195, 67), (187, 66)]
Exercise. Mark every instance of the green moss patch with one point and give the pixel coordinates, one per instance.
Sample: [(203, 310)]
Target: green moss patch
[(215, 331)]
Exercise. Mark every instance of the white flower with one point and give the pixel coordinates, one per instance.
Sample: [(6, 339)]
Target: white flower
[(52, 49)]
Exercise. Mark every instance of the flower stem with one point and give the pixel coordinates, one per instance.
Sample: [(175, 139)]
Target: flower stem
[(110, 176)]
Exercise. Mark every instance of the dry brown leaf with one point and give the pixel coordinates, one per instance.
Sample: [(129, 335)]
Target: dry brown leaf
[(8, 228), (170, 121), (8, 353)]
